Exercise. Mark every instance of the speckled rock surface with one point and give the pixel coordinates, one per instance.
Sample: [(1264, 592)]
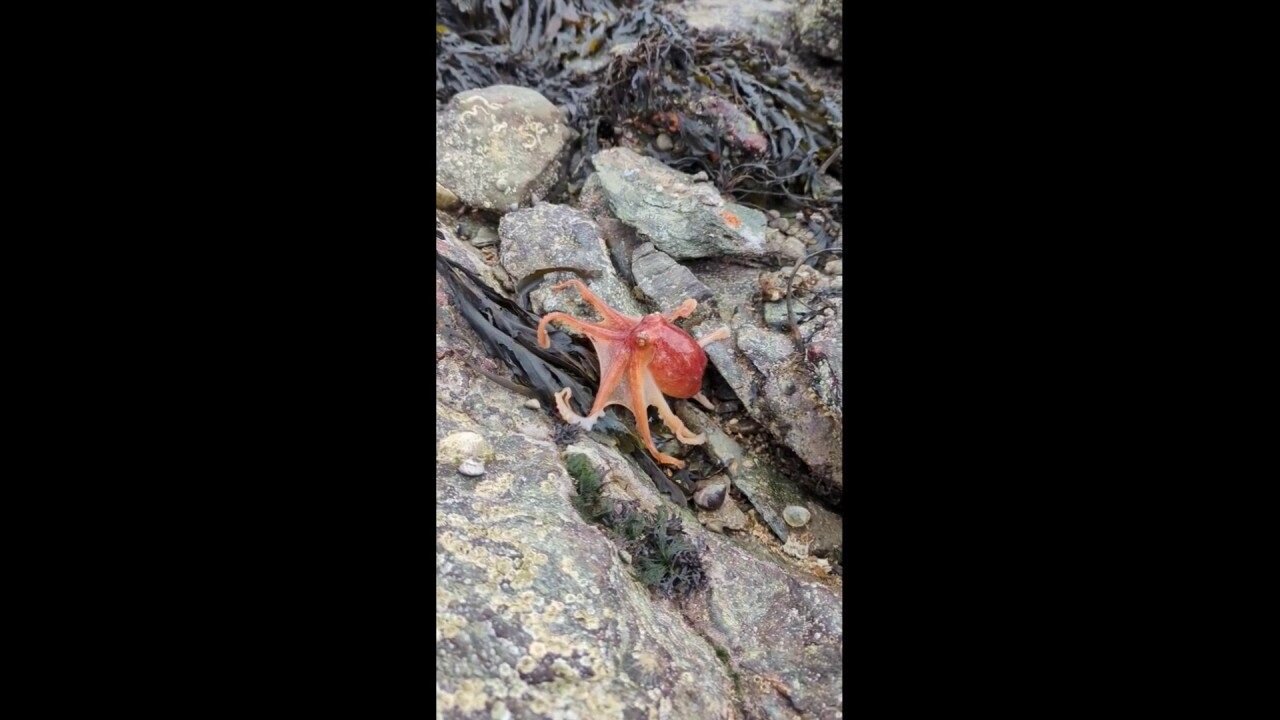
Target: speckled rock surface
[(682, 217), (663, 280), (817, 26), (773, 377), (498, 146), (548, 235), (538, 616)]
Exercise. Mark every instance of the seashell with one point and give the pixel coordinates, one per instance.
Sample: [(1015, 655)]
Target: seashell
[(796, 516)]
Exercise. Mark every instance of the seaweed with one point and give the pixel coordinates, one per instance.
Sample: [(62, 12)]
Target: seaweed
[(667, 560), (738, 111)]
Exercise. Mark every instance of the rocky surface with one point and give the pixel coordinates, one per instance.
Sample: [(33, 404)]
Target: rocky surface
[(498, 146), (664, 281), (547, 236), (540, 616), (818, 26), (682, 217), (770, 373)]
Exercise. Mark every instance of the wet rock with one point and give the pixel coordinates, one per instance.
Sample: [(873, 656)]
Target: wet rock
[(683, 218), (663, 280), (817, 27), (549, 235), (767, 22), (498, 145)]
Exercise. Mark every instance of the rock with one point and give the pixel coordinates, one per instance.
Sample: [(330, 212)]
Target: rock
[(445, 199), (817, 27), (767, 22), (835, 267), (726, 517), (538, 614), (782, 224), (466, 450), (770, 373), (484, 237), (768, 491), (664, 281), (775, 313), (683, 218), (549, 235), (711, 495), (533, 404), (796, 515), (663, 142), (784, 246), (498, 145)]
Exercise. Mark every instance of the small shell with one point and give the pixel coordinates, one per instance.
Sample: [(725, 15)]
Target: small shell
[(471, 467), (711, 496), (533, 404), (796, 516)]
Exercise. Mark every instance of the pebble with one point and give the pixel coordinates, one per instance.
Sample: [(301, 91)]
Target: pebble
[(471, 467), (835, 267), (711, 496), (796, 516), (664, 142), (775, 214), (485, 237), (533, 404), (785, 225)]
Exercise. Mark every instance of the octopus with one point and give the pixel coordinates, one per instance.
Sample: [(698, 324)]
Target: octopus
[(641, 359)]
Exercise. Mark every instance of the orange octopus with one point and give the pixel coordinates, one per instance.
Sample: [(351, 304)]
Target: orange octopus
[(640, 359)]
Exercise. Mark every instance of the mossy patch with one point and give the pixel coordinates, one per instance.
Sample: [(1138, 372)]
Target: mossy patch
[(667, 560)]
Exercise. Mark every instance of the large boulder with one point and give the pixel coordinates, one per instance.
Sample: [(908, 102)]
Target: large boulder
[(498, 146)]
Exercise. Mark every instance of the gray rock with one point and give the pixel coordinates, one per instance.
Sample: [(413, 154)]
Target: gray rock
[(664, 281), (663, 142), (796, 515), (462, 253), (817, 27), (772, 376), (538, 616), (775, 313), (683, 218), (549, 235), (498, 145), (835, 267), (484, 237)]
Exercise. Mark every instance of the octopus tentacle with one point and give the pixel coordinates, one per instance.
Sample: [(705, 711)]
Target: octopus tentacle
[(685, 309), (588, 329), (640, 408), (612, 318)]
